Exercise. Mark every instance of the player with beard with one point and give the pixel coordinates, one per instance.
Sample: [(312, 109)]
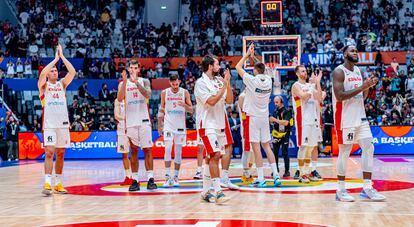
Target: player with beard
[(212, 92), (351, 123)]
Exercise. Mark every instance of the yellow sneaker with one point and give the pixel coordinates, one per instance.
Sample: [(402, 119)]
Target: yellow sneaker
[(60, 189), (247, 180), (47, 189)]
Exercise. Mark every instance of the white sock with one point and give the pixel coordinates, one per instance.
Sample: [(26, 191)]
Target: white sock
[(260, 174), (58, 178), (128, 173), (168, 171), (314, 163), (135, 176), (199, 169), (301, 170), (150, 174), (216, 184), (367, 184), (224, 174), (48, 178), (274, 169), (206, 179), (341, 185), (176, 172)]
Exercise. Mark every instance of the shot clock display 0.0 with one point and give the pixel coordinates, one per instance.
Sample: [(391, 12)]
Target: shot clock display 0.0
[(271, 12)]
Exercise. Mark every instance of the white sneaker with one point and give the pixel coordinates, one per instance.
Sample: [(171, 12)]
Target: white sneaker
[(9, 160), (344, 196), (17, 159), (198, 175), (176, 182), (372, 194), (226, 183), (168, 181)]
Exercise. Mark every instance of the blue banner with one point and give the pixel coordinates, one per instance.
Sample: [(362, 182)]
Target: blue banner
[(325, 59), (398, 140)]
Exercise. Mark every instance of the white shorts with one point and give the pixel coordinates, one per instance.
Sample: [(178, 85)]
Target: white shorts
[(122, 143), (140, 136), (214, 140), (309, 136), (257, 130), (353, 135), (178, 137), (56, 137)]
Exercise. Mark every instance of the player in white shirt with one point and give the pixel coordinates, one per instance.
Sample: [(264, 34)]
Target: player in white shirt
[(212, 92), (256, 105), (247, 154), (122, 139), (136, 91), (56, 134), (175, 102), (349, 92), (306, 99)]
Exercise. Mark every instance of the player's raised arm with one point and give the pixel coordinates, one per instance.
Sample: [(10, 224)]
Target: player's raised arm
[(297, 91), (240, 64), (229, 95), (122, 87), (338, 86), (71, 70), (42, 78), (145, 89)]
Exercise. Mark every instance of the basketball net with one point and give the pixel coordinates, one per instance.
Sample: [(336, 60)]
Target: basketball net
[(271, 70)]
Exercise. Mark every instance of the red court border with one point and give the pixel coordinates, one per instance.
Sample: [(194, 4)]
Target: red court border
[(179, 222)]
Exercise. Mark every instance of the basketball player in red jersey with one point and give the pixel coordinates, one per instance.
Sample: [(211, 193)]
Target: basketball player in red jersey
[(55, 119), (349, 92), (136, 91)]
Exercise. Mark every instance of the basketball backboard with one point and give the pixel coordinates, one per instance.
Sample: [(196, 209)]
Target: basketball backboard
[(282, 52)]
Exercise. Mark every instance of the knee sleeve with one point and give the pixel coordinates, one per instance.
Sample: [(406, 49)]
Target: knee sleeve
[(178, 148), (367, 154), (245, 159), (344, 152), (168, 150), (302, 152)]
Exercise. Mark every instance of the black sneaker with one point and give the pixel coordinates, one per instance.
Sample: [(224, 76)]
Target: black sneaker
[(316, 174), (134, 186), (297, 175), (151, 184), (286, 174)]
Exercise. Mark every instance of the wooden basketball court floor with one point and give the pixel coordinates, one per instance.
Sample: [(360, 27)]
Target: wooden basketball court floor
[(95, 196)]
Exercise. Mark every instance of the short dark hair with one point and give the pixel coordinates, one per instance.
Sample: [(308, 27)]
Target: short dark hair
[(260, 67), (297, 68), (207, 60), (133, 62), (174, 77)]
